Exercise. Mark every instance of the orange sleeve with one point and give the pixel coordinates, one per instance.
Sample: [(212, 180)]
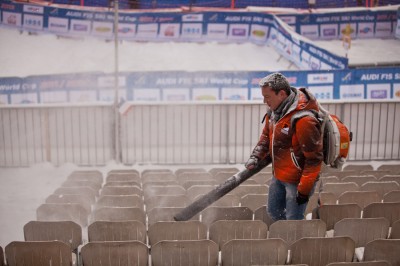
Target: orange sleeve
[(308, 133)]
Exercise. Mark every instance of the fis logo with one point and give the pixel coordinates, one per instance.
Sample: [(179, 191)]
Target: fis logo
[(347, 77)]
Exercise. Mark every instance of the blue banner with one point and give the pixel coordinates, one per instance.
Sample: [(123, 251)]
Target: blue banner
[(351, 84)]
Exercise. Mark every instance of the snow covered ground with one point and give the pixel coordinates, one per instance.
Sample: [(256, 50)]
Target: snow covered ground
[(23, 55)]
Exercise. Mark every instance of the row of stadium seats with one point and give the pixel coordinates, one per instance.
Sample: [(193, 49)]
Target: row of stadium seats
[(130, 206), (188, 243)]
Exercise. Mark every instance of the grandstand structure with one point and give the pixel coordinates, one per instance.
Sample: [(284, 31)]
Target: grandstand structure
[(170, 153), (97, 217)]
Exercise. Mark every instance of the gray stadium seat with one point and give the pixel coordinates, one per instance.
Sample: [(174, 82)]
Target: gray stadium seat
[(331, 214), (359, 179), (165, 214), (88, 175), (119, 214), (215, 170), (185, 230), (123, 177), (293, 230), (225, 230), (254, 252), (122, 184), (83, 200), (393, 168), (383, 249), (185, 252), (117, 231), (119, 201), (382, 187), (212, 214), (123, 253), (317, 251), (67, 232), (357, 167), (38, 253), (121, 190), (82, 183), (395, 230), (1, 256), (262, 215), (362, 230), (254, 201), (368, 263), (87, 191), (166, 201), (62, 212), (392, 196), (362, 198), (388, 210), (339, 188)]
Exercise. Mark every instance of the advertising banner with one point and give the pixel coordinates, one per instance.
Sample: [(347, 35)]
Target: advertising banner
[(235, 27), (180, 86)]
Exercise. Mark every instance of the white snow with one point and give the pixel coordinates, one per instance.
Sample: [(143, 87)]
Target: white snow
[(23, 55)]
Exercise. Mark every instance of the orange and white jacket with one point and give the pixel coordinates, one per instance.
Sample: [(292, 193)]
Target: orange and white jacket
[(296, 154)]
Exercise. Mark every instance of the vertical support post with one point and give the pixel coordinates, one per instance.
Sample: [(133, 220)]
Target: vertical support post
[(232, 4), (116, 85)]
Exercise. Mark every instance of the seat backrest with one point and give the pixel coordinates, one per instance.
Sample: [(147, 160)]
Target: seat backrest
[(243, 190), (83, 200), (364, 263), (119, 214), (185, 252), (197, 190), (124, 171), (166, 201), (215, 170), (293, 230), (117, 231), (184, 230), (388, 210), (262, 177), (1, 256), (221, 177), (331, 214), (359, 179), (212, 214), (225, 230), (123, 184), (181, 171), (38, 253), (121, 190), (62, 212), (254, 252), (395, 231), (392, 196), (87, 191), (123, 177), (317, 251), (119, 201), (228, 200), (358, 167), (82, 183), (377, 173), (67, 232), (362, 198), (395, 178), (109, 253), (339, 188), (158, 176), (362, 230), (89, 175), (393, 168), (262, 215), (193, 176), (165, 214), (254, 201), (163, 191), (187, 184), (382, 187), (383, 249)]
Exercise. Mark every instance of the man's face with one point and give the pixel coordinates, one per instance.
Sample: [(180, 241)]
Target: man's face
[(271, 99)]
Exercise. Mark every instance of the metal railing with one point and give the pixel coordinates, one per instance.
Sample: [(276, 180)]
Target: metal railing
[(184, 133)]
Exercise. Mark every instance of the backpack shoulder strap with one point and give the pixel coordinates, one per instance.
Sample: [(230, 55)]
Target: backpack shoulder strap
[(303, 113)]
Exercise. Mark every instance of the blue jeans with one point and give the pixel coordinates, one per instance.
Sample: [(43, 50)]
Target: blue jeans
[(282, 203)]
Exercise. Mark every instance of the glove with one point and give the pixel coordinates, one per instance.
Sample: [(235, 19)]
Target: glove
[(301, 199), (252, 162)]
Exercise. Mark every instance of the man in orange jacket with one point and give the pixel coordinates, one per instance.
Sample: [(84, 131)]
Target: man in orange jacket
[(296, 151)]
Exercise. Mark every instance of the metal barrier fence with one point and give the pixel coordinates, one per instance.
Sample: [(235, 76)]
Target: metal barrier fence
[(187, 133)]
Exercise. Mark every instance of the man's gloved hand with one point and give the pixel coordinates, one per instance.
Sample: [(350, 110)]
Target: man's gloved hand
[(301, 199), (252, 162)]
